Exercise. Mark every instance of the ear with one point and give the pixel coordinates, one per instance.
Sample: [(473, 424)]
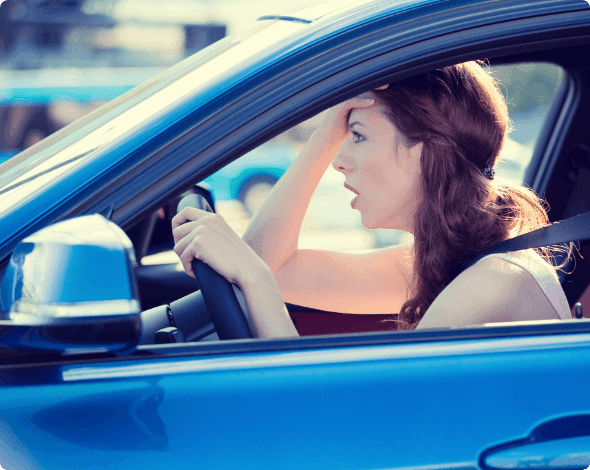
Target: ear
[(416, 150), (416, 154)]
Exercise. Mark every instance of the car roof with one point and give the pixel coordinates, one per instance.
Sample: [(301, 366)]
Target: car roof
[(312, 10)]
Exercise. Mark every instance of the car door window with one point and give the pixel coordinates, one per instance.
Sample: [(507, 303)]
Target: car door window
[(330, 224)]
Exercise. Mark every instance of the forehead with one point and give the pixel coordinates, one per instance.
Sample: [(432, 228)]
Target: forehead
[(373, 116)]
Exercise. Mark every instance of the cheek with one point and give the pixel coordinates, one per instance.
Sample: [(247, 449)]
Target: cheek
[(387, 177), (378, 166), (398, 183)]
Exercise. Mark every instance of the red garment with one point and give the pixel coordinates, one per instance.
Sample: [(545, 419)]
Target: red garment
[(310, 322)]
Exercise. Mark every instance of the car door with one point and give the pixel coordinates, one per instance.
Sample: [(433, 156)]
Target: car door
[(384, 400), (499, 396)]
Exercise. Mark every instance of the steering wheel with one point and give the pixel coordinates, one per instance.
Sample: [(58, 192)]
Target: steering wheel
[(226, 312)]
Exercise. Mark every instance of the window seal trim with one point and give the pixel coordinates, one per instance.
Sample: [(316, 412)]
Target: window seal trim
[(204, 349), (479, 332)]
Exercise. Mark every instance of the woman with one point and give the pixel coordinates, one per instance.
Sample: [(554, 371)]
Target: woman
[(418, 155)]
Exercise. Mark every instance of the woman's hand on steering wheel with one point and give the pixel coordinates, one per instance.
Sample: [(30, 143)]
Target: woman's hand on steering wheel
[(207, 237)]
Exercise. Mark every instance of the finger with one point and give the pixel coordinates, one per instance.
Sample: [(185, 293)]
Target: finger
[(186, 261), (185, 241), (187, 214), (186, 258), (365, 96), (183, 230), (382, 87), (360, 102), (206, 218), (188, 249)]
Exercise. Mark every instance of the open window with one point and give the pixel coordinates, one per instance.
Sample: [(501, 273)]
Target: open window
[(530, 89)]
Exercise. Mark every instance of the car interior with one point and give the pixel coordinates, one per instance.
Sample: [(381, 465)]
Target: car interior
[(559, 171)]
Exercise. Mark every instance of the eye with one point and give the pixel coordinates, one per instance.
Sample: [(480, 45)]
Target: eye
[(357, 137)]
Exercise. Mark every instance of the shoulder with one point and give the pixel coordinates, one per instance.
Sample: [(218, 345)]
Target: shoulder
[(492, 290)]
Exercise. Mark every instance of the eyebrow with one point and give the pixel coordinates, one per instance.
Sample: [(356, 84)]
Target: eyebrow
[(355, 123)]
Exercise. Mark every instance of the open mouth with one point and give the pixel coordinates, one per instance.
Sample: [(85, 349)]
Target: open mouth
[(353, 202), (350, 188)]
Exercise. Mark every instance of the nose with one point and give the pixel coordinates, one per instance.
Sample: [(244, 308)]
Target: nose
[(342, 164)]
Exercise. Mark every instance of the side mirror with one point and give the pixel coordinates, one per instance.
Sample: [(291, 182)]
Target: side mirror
[(71, 286)]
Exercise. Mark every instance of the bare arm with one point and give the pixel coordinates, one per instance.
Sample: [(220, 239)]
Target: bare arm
[(274, 230), (267, 314), (376, 281)]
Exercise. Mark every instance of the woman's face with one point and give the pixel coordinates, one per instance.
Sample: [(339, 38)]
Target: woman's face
[(381, 169)]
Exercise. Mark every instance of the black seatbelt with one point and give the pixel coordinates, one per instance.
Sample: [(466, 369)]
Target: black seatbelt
[(569, 230), (575, 228)]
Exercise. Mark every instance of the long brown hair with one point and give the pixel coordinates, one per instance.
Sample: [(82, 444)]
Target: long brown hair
[(461, 117)]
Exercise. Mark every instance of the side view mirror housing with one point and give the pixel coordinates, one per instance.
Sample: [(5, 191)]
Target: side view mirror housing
[(69, 286)]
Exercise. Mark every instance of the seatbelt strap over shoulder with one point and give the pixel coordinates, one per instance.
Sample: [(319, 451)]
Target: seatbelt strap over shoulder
[(575, 228)]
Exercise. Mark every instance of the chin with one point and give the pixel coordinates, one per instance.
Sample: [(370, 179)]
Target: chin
[(370, 224)]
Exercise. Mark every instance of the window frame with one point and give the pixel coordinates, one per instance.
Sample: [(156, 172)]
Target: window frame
[(559, 107)]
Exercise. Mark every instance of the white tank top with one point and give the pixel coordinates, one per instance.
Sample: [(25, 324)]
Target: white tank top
[(543, 273)]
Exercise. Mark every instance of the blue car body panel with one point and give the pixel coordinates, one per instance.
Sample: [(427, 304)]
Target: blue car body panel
[(420, 406), (375, 401)]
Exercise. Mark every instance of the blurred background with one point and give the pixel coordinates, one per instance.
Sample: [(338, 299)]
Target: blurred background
[(60, 59)]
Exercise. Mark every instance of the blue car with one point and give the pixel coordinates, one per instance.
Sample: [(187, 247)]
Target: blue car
[(105, 363)]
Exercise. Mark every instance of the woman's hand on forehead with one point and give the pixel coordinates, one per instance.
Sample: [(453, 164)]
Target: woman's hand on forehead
[(370, 94), (336, 120)]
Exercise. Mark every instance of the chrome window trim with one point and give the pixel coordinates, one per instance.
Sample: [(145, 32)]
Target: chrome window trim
[(336, 355)]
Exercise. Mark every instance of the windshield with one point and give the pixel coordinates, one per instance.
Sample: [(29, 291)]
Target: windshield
[(48, 159)]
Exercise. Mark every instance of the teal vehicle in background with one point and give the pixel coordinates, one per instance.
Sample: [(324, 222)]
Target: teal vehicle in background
[(36, 103)]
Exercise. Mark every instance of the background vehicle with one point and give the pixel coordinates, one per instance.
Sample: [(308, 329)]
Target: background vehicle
[(36, 103), (250, 178), (438, 399)]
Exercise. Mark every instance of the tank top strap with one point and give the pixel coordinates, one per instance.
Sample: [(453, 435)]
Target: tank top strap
[(543, 273)]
